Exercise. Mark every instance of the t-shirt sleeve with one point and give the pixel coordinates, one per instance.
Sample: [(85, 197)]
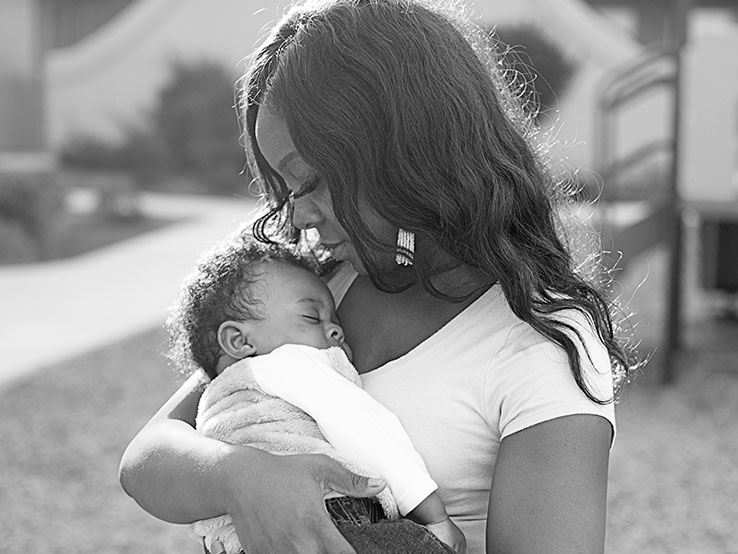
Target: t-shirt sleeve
[(530, 380)]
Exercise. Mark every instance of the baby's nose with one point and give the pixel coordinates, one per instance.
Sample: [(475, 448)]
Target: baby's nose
[(335, 332)]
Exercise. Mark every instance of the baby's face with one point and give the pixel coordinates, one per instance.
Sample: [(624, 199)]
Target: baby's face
[(296, 307)]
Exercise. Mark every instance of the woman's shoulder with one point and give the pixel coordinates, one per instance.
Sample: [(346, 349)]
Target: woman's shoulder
[(575, 323), (527, 347), (491, 321), (530, 378)]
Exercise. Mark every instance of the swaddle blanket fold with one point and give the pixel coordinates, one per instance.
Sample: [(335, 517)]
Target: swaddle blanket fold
[(235, 410)]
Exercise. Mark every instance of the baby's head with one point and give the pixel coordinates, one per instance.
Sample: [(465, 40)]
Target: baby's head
[(244, 299)]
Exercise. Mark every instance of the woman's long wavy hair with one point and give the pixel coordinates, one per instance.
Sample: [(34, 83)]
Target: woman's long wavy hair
[(402, 108)]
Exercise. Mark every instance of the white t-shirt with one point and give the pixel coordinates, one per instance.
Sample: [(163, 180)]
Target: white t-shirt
[(483, 376)]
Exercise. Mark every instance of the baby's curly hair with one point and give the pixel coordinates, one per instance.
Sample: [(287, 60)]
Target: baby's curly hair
[(218, 289)]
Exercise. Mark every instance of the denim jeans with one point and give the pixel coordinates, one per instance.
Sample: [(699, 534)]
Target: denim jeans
[(362, 523)]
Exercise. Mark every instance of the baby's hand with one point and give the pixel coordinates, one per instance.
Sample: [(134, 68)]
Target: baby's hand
[(447, 532)]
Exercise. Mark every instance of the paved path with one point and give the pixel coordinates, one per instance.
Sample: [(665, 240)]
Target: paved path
[(55, 310)]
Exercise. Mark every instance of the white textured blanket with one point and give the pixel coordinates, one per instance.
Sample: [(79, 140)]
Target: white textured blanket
[(234, 409)]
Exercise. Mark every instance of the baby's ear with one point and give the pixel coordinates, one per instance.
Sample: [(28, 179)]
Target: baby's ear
[(234, 341)]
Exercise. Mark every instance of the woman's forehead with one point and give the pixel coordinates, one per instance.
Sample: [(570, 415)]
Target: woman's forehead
[(274, 140)]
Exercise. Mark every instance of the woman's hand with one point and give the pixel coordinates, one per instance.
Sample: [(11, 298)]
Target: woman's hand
[(276, 502)]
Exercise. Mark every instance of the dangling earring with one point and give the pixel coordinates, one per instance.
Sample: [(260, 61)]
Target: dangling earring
[(405, 247)]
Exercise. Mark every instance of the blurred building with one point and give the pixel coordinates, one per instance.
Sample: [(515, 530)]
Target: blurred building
[(66, 22), (93, 67), (107, 78), (645, 19), (21, 75)]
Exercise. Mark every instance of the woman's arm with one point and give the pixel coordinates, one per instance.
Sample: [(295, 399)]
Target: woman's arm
[(169, 469), (549, 488), (276, 502)]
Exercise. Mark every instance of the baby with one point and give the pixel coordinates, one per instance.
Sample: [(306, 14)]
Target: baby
[(262, 325)]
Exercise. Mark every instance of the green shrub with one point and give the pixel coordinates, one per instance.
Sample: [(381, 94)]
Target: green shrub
[(195, 124), (29, 204), (134, 155), (192, 136), (17, 246)]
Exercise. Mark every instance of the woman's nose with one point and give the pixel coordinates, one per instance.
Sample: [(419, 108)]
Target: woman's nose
[(305, 215)]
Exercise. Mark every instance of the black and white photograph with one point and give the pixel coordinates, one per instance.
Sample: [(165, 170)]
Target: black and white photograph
[(369, 276)]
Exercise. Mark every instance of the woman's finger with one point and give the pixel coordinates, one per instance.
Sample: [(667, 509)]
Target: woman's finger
[(283, 511), (310, 532), (334, 477)]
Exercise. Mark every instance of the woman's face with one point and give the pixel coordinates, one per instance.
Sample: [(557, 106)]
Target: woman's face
[(312, 203)]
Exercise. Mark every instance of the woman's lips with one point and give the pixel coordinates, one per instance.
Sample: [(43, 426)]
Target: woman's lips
[(334, 247), (330, 245)]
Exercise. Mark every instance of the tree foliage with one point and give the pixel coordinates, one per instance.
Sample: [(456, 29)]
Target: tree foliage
[(535, 60)]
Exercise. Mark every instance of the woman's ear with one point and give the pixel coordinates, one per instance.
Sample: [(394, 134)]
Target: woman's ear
[(234, 341)]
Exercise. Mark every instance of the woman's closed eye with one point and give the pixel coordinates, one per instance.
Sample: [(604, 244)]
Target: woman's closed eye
[(309, 186), (312, 318)]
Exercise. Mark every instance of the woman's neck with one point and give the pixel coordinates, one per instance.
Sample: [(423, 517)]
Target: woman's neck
[(384, 326), (459, 282)]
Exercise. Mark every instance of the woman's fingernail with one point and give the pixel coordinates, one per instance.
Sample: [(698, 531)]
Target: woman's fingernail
[(375, 482), (217, 548)]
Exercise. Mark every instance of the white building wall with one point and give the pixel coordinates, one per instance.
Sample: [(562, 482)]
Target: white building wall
[(709, 157)]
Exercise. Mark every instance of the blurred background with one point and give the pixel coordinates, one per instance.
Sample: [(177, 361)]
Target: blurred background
[(120, 162)]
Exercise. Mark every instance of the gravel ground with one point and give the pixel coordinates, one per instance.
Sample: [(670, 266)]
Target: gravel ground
[(62, 434), (674, 468)]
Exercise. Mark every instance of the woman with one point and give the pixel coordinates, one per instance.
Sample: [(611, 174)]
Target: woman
[(378, 125)]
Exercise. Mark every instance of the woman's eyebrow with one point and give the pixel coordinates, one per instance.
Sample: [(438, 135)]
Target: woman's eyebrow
[(286, 160)]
